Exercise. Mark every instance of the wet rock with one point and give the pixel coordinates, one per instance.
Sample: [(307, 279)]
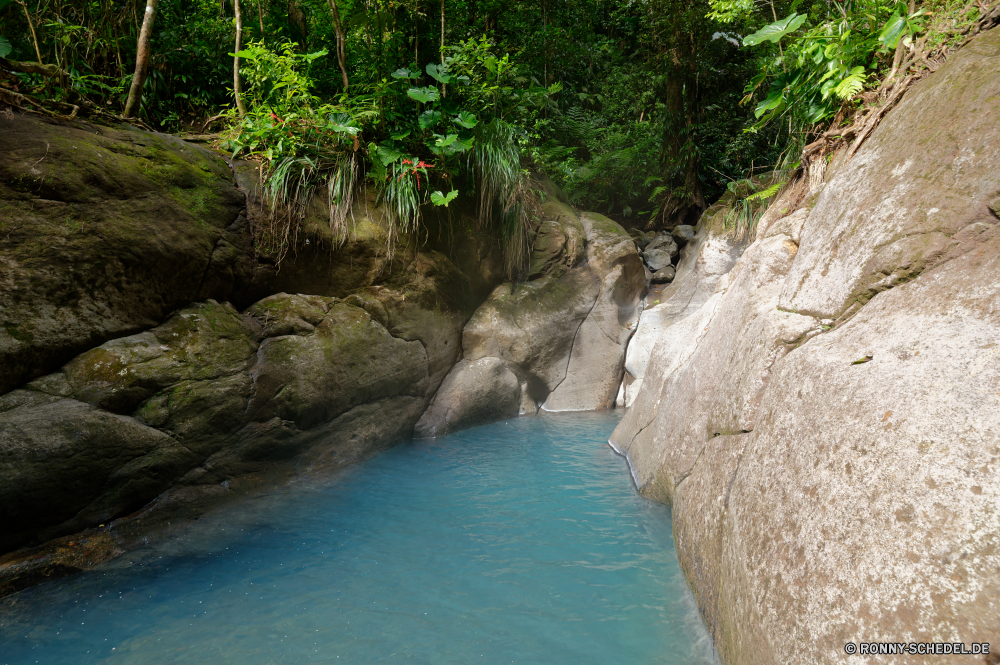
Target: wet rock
[(682, 234), (664, 275)]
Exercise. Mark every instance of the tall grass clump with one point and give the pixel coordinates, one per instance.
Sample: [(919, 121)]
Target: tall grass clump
[(505, 199)]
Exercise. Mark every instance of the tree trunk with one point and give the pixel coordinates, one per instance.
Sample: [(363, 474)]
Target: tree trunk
[(237, 85), (338, 27), (686, 199), (260, 15), (141, 61), (297, 18), (444, 88)]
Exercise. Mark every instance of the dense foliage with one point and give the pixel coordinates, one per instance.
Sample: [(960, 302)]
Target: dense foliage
[(644, 109)]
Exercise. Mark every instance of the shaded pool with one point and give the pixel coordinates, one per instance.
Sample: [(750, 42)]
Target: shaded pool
[(517, 542)]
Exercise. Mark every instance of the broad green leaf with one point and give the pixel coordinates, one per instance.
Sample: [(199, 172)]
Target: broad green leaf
[(344, 129), (404, 73), (400, 136), (309, 57), (423, 95), (444, 141), (893, 31), (776, 30), (387, 154), (466, 119), (5, 48), (439, 73), (429, 119), (440, 199), (774, 99)]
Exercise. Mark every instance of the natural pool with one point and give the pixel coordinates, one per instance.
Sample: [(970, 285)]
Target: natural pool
[(517, 542)]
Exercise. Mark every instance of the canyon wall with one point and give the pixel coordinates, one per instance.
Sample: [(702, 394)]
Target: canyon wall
[(824, 415)]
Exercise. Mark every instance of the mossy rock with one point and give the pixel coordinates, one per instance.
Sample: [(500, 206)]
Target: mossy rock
[(105, 232)]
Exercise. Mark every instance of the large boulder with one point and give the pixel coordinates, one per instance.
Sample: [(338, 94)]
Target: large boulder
[(825, 424), (596, 362), (103, 233), (531, 327), (476, 391), (206, 396)]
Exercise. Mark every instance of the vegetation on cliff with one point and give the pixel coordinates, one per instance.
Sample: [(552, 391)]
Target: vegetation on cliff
[(645, 110)]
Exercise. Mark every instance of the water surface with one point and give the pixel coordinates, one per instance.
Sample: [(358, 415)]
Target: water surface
[(517, 542)]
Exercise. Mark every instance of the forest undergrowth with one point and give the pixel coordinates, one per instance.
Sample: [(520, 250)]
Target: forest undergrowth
[(646, 111)]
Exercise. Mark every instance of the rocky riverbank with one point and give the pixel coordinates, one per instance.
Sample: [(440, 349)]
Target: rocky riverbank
[(153, 363), (821, 409)]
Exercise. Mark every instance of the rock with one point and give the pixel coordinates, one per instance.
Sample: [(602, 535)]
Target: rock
[(796, 474), (103, 233), (656, 259), (682, 234), (68, 465), (559, 242), (474, 392), (663, 242), (206, 396), (562, 338), (664, 275), (596, 362), (703, 262), (531, 327)]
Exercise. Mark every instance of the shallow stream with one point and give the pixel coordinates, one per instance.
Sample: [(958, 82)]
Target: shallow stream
[(517, 542)]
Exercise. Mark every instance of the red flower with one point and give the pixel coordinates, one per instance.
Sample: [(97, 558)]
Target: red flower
[(406, 161), (276, 117), (424, 165)]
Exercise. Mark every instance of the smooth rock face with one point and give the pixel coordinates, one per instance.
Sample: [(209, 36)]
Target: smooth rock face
[(597, 359), (818, 501), (702, 264), (657, 259), (474, 392)]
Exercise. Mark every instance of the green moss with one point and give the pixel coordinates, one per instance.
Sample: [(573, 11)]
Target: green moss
[(16, 331)]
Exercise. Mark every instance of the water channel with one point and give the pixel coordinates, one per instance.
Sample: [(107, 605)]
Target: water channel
[(518, 542)]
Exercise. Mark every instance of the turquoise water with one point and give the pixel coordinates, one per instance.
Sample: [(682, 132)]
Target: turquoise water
[(517, 542)]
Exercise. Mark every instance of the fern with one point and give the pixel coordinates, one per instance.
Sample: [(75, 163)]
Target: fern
[(765, 194), (852, 84)]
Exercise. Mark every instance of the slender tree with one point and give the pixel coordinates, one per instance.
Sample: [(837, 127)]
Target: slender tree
[(141, 60), (237, 85), (338, 27)]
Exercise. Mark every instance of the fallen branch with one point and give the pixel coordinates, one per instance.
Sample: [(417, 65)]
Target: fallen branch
[(49, 71), (210, 121)]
